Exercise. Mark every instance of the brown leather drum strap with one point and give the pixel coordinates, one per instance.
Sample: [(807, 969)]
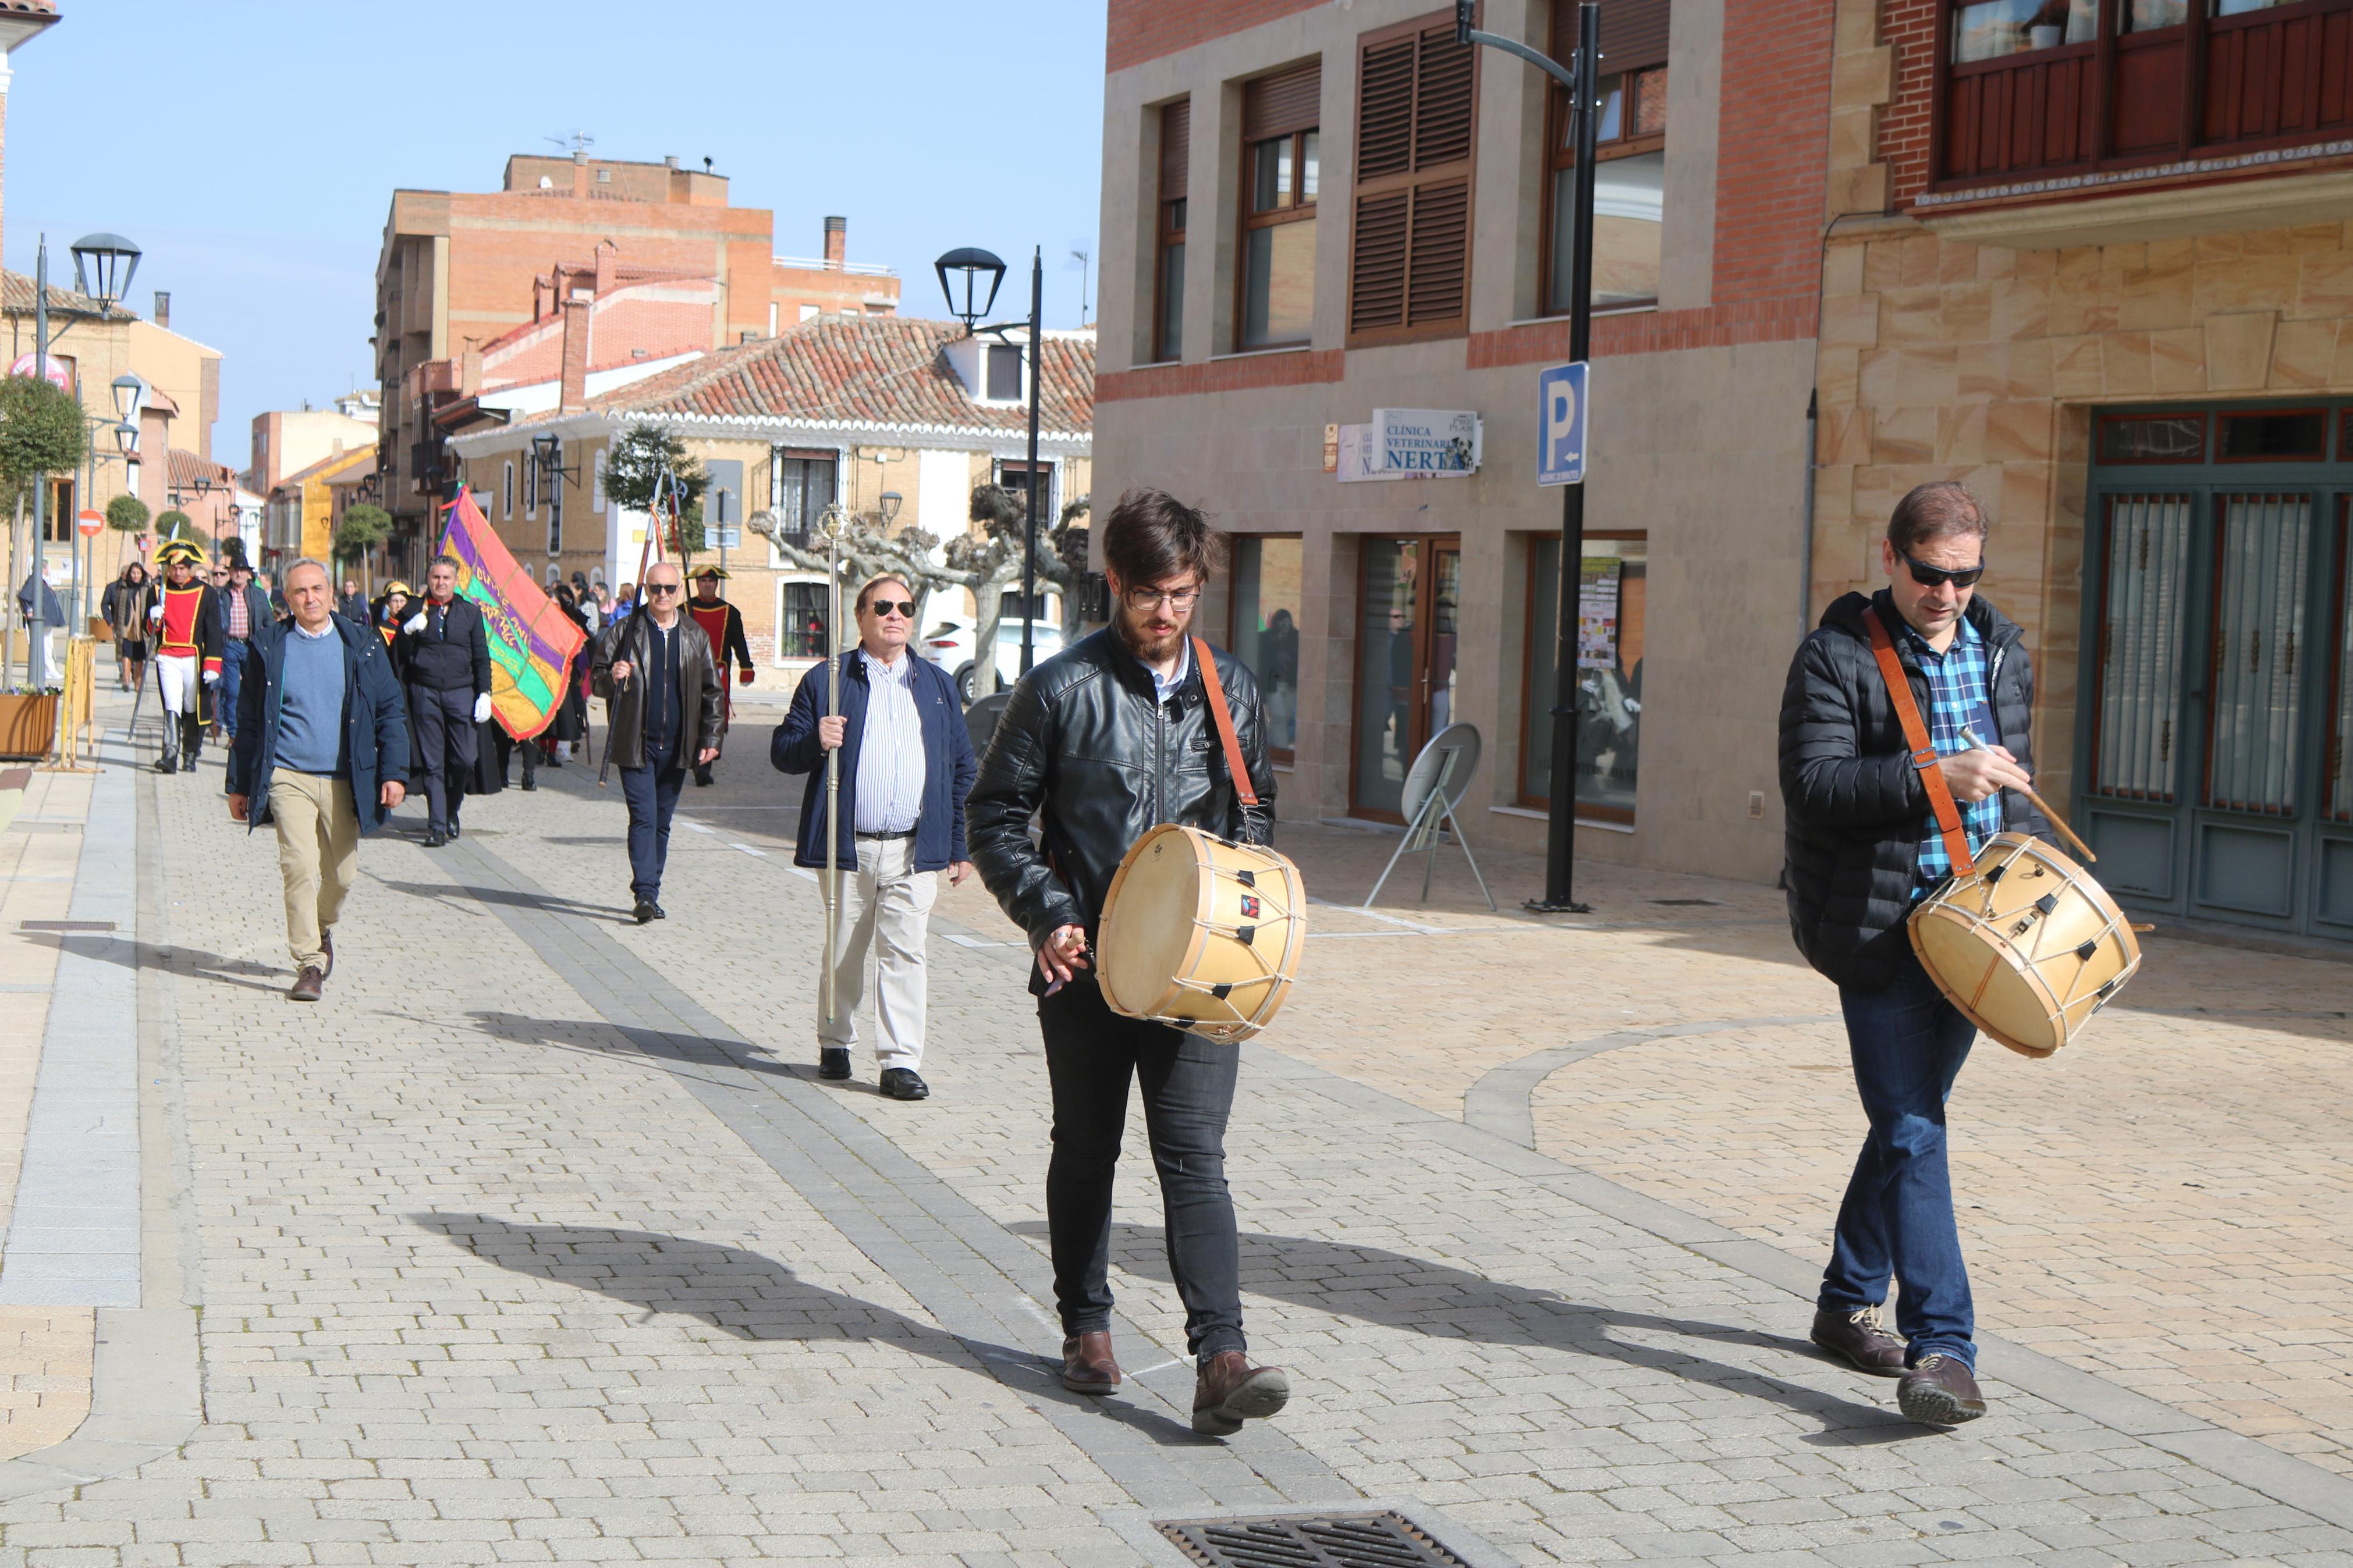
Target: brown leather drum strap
[(1923, 751), (1225, 721)]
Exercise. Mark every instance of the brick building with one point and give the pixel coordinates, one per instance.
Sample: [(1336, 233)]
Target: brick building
[(2093, 259), (284, 440), (461, 271), (841, 408), (1313, 212)]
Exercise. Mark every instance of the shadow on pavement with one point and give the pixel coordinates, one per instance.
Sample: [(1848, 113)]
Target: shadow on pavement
[(1393, 1291), (189, 961), (752, 1297), (457, 895)]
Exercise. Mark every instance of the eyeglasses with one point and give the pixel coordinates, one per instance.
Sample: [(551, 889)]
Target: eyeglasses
[(1153, 598), (1937, 577), (662, 588), (893, 607)]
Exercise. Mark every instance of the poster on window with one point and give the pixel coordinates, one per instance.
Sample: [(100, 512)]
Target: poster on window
[(1597, 612)]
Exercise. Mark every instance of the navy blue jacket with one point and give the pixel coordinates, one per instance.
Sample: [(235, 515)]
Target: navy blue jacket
[(375, 719), (949, 764)]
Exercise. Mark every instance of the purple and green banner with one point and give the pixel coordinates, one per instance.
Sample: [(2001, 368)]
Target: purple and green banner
[(532, 641)]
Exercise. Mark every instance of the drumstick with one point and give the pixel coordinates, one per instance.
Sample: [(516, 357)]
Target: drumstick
[(2040, 804)]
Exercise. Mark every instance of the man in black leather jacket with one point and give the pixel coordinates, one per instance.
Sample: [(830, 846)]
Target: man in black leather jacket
[(1863, 846), (1106, 739)]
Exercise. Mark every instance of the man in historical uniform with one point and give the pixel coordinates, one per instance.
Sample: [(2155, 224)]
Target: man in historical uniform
[(183, 623), (722, 623)]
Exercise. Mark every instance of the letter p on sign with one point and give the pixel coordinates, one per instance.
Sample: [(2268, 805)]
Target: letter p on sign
[(1560, 424)]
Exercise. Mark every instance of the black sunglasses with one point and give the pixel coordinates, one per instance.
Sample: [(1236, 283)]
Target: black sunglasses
[(664, 588), (1936, 576), (884, 607)]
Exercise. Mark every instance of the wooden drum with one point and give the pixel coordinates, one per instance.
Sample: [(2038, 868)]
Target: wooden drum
[(1201, 934), (2028, 945)]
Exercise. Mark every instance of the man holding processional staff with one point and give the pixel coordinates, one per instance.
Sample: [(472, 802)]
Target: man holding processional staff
[(1122, 732), (1875, 822)]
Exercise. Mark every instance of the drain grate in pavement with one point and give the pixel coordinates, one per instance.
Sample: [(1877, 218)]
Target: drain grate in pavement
[(1343, 1540), (64, 925)]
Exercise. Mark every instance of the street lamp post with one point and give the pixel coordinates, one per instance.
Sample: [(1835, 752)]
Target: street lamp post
[(973, 264), (1582, 79)]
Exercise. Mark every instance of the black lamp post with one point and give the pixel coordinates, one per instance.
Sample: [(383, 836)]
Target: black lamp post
[(972, 265), (547, 451), (1582, 77)]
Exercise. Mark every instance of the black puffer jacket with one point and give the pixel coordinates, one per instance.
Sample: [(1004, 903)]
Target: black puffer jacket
[(1084, 745), (1857, 809)]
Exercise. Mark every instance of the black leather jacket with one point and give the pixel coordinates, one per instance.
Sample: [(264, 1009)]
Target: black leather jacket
[(1084, 747), (628, 641)]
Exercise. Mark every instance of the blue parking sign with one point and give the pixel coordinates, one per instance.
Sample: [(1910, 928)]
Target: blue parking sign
[(1560, 424)]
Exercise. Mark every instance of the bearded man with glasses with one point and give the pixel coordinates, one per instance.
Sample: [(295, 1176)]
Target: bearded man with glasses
[(1864, 842), (1104, 741), (907, 764)]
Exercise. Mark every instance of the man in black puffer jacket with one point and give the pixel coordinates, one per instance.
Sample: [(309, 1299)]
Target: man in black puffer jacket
[(1863, 846)]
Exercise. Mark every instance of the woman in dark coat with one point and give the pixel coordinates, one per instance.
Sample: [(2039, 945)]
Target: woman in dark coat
[(121, 608)]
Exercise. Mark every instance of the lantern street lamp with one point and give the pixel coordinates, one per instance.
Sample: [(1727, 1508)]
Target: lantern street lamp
[(973, 264), (130, 397), (111, 259), (892, 501)]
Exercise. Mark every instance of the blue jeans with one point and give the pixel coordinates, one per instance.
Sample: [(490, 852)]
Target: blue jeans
[(652, 794), (233, 656), (1908, 1044)]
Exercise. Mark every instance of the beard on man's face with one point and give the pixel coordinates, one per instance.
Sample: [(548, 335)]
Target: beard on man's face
[(1153, 634)]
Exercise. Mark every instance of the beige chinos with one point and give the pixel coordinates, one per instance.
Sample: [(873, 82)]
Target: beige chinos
[(886, 905), (318, 857)]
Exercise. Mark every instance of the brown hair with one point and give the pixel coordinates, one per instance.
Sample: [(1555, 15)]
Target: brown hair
[(1938, 510), (1151, 536), (866, 593)]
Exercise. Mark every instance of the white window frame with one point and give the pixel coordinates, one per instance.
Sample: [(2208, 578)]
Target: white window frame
[(777, 658)]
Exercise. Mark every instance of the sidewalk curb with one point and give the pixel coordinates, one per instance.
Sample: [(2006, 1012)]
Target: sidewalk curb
[(1500, 1101), (147, 1383)]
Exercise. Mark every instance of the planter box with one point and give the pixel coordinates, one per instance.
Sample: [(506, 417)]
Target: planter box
[(28, 726)]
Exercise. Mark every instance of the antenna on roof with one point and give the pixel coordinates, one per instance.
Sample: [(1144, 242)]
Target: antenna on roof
[(573, 141)]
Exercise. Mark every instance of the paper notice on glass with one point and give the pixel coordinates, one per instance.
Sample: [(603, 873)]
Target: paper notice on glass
[(1359, 461), (1596, 612)]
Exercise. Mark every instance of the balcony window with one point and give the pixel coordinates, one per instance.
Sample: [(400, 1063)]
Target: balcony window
[(1629, 193), (1168, 265), (1992, 28), (1281, 158)]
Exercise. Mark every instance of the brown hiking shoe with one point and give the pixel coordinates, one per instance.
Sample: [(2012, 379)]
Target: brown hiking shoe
[(1087, 1364), (1857, 1338), (1229, 1391), (1939, 1392), (307, 984)]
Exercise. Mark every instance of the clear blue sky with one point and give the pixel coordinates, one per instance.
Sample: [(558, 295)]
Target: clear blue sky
[(251, 149)]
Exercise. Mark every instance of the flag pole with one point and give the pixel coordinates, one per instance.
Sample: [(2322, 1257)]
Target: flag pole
[(832, 523)]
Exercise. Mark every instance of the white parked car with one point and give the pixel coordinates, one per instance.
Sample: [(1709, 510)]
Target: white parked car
[(949, 645)]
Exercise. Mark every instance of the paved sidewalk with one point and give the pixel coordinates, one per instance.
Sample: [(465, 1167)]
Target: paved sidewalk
[(537, 1240)]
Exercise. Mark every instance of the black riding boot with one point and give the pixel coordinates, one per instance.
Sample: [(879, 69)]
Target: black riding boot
[(169, 763), (529, 750), (192, 741)]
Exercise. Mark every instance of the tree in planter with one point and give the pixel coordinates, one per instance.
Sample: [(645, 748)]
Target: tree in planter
[(364, 526), (633, 477), (982, 564)]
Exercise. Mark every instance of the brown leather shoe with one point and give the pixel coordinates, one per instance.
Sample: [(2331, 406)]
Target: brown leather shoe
[(1229, 1391), (307, 984), (1939, 1392), (1857, 1339), (1087, 1364)]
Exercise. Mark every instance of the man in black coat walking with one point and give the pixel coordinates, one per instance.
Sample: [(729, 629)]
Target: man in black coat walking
[(444, 654), (1863, 846)]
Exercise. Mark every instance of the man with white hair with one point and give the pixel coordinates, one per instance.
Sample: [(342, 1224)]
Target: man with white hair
[(655, 674)]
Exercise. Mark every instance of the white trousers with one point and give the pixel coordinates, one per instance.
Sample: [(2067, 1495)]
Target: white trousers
[(886, 907), (175, 681)]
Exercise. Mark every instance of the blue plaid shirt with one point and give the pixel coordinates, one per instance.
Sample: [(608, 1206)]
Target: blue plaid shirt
[(1960, 693)]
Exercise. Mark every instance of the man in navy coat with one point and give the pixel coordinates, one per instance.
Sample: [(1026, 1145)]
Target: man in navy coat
[(907, 764)]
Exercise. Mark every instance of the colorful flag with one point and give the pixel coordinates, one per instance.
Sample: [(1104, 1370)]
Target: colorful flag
[(532, 641)]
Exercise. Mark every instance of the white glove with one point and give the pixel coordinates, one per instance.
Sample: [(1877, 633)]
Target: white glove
[(415, 624), (481, 707), (212, 677), (154, 612)]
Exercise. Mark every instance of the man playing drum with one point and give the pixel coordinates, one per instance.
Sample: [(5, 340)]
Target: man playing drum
[(1864, 843), (1113, 737)]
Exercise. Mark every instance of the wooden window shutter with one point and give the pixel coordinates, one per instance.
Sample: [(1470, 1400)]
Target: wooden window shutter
[(1176, 148), (1633, 33), (1287, 102), (1417, 120)]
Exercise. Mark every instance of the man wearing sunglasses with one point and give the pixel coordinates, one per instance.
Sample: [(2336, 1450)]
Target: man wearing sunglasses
[(661, 698), (1863, 845), (907, 764)]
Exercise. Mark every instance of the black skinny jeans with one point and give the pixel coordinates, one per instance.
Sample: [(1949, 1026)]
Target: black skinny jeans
[(1188, 1092)]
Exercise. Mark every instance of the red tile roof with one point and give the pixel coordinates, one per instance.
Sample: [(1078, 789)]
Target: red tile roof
[(184, 469), (17, 294), (860, 370)]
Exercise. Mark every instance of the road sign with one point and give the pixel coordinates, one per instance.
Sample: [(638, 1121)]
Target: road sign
[(89, 523), (1561, 425)]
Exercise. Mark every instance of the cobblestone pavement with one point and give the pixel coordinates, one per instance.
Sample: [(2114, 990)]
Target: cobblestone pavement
[(538, 1240)]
